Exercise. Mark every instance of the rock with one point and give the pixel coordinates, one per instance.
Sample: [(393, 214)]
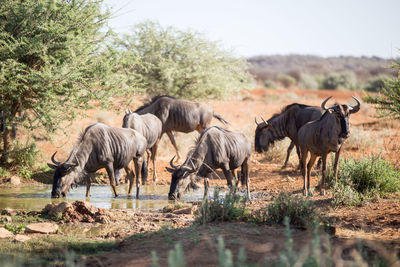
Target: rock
[(6, 219), (48, 207), (33, 213), (5, 234), (103, 219), (183, 211), (9, 212), (60, 208), (21, 238), (42, 228), (14, 180)]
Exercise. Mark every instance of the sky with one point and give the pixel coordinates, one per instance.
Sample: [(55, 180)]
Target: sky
[(270, 27)]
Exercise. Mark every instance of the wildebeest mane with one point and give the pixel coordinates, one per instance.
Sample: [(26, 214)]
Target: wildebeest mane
[(154, 99), (286, 108)]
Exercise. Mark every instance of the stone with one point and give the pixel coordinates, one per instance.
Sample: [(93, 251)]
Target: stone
[(6, 219), (42, 228), (21, 238), (5, 234), (183, 211), (48, 207), (14, 180), (9, 212), (60, 208)]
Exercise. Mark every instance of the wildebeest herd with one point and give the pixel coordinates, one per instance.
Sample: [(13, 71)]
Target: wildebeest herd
[(318, 130)]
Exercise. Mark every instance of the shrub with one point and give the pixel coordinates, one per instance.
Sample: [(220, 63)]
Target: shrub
[(300, 211), (388, 103), (228, 208), (308, 81), (24, 155), (184, 63), (376, 84), (269, 84), (341, 80), (15, 228), (286, 80), (363, 180)]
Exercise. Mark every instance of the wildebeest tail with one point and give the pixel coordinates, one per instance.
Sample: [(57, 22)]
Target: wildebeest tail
[(221, 119), (145, 171)]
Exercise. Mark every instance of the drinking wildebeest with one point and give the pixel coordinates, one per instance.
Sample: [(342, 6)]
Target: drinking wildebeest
[(215, 148), (179, 115), (323, 136), (100, 146), (150, 127), (285, 124)]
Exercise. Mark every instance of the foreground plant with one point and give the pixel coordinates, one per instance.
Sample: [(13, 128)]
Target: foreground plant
[(231, 207), (362, 180), (300, 211)]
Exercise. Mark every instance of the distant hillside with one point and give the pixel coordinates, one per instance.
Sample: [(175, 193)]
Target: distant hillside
[(268, 67)]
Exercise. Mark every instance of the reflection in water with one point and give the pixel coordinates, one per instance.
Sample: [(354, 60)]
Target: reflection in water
[(153, 197)]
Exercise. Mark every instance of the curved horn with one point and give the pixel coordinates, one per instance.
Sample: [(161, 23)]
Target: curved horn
[(54, 160), (266, 123), (255, 120), (354, 109), (191, 162), (172, 164), (323, 103), (130, 111)]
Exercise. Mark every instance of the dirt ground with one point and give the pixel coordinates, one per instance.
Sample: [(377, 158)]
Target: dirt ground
[(379, 221)]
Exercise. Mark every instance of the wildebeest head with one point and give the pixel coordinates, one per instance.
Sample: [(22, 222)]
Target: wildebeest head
[(182, 179), (64, 176), (342, 113), (263, 138)]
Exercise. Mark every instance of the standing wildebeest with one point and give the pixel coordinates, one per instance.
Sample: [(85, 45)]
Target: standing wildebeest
[(150, 127), (179, 115), (215, 148), (285, 124), (100, 146), (323, 136)]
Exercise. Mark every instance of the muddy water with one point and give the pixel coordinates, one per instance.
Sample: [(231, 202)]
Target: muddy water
[(152, 197)]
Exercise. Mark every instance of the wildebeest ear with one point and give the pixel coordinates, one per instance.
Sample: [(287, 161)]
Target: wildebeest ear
[(169, 169), (52, 166)]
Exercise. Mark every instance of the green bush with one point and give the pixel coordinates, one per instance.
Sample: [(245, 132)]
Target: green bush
[(300, 211), (340, 81), (308, 81), (230, 208), (269, 84), (363, 180), (184, 63), (286, 80), (376, 84)]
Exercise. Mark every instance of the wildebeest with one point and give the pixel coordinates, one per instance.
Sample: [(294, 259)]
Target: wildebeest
[(100, 146), (215, 148), (179, 115), (323, 136), (150, 127), (285, 124)]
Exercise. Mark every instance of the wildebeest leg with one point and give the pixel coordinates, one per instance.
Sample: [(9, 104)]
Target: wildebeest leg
[(206, 185), (303, 161), (289, 150), (110, 172), (228, 174), (322, 188), (153, 158), (298, 152), (309, 168), (336, 164), (172, 138), (138, 169), (245, 176), (87, 181), (131, 178)]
